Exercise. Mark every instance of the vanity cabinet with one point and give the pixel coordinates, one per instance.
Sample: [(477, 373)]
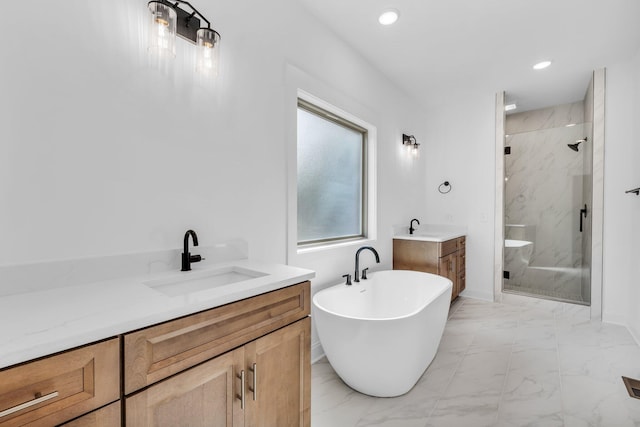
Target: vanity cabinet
[(242, 364), (62, 387), (264, 383), (446, 259)]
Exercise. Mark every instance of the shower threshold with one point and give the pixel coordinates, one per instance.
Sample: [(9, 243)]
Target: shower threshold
[(528, 292)]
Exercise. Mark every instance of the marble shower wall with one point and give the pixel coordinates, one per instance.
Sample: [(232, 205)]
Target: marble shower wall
[(545, 118), (544, 192)]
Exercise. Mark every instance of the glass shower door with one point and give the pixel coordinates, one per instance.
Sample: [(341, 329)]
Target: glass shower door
[(544, 198)]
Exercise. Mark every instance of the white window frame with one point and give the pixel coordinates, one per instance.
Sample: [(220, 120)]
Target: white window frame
[(370, 184)]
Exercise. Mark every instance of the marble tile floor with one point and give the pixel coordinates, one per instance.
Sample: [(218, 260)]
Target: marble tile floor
[(523, 363)]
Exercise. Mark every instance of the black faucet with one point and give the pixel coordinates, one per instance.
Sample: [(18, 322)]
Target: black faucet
[(357, 273), (187, 258), (411, 229)]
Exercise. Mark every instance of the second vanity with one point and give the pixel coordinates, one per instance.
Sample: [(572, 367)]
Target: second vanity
[(439, 251), (162, 350)]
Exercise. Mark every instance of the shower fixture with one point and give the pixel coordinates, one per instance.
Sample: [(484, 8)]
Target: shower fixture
[(574, 147)]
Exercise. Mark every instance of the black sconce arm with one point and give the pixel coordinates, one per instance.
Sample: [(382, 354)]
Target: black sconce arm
[(195, 11)]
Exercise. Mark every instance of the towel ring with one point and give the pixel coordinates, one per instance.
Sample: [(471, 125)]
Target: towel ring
[(445, 187)]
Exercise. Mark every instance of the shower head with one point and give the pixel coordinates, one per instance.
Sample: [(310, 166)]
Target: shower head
[(574, 147)]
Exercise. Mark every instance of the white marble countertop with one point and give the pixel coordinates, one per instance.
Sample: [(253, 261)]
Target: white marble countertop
[(431, 236), (430, 232), (38, 323)]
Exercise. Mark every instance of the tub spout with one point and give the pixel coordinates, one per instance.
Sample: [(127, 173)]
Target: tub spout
[(357, 273)]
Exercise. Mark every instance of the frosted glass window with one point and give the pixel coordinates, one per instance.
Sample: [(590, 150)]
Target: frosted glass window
[(331, 185)]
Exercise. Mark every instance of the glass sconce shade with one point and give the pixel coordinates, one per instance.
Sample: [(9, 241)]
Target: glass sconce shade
[(162, 32), (208, 47)]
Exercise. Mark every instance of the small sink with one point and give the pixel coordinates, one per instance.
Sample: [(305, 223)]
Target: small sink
[(195, 281)]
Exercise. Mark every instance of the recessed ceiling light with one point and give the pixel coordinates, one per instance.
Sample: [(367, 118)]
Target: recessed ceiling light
[(541, 65), (388, 17), (570, 125), (510, 107)]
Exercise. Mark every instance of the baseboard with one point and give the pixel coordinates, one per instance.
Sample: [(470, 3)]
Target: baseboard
[(317, 352), (481, 295), (635, 334), (616, 319)]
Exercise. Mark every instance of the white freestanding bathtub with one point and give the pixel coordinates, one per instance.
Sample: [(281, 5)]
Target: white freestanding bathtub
[(381, 334)]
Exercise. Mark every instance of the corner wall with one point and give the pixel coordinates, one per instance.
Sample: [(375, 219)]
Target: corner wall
[(621, 244)]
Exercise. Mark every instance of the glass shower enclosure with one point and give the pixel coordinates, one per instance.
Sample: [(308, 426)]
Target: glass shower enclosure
[(547, 218)]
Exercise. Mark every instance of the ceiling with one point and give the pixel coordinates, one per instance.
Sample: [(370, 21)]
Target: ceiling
[(443, 50)]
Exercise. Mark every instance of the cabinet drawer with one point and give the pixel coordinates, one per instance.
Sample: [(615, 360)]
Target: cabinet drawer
[(159, 351), (59, 388), (448, 247), (109, 416), (415, 255)]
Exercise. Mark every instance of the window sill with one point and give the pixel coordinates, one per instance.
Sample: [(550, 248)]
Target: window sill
[(335, 245)]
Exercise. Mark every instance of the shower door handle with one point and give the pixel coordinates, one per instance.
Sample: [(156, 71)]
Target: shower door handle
[(583, 214)]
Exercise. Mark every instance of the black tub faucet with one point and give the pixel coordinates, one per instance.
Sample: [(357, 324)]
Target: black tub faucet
[(411, 229), (357, 273), (187, 258)]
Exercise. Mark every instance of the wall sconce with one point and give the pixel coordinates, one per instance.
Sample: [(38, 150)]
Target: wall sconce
[(410, 141), (167, 20)]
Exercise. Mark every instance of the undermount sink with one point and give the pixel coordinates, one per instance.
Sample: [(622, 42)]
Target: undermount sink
[(195, 281)]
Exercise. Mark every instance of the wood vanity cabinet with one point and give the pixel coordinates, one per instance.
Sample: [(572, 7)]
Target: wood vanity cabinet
[(59, 388), (194, 371), (243, 364), (443, 258)]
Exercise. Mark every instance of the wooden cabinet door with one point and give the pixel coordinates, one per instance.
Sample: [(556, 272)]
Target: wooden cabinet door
[(203, 396), (278, 391)]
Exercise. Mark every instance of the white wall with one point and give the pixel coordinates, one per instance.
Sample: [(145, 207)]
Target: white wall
[(633, 300), (621, 245), (460, 149), (102, 152)]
